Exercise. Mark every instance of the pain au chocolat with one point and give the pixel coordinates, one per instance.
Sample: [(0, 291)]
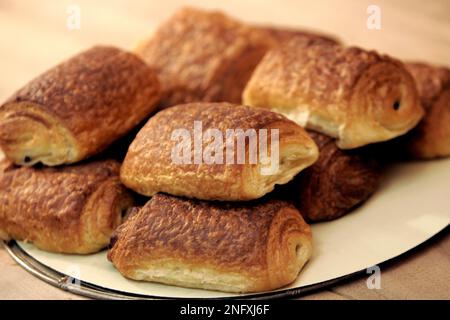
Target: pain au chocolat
[(232, 247), (353, 95), (78, 108), (66, 209), (431, 138), (337, 182), (216, 151), (203, 56)]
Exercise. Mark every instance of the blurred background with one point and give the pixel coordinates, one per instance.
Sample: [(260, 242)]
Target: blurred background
[(35, 35)]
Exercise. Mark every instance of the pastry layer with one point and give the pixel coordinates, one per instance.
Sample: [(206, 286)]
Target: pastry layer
[(248, 247), (203, 56), (69, 209), (431, 138), (149, 165), (78, 108), (356, 96), (337, 182)]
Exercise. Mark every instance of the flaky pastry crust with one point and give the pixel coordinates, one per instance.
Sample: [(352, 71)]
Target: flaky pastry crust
[(231, 247), (337, 182), (203, 56), (78, 108), (69, 209), (356, 96), (431, 138), (149, 166)]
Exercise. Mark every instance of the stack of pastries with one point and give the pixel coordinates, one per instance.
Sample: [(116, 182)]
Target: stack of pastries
[(55, 193), (208, 220)]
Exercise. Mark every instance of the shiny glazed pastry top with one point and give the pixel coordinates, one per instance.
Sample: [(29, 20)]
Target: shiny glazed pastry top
[(216, 151), (356, 96), (234, 247), (78, 108)]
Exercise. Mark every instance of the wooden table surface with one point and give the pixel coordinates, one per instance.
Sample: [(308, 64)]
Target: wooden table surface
[(34, 36)]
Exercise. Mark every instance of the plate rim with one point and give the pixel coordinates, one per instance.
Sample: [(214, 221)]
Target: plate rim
[(90, 290)]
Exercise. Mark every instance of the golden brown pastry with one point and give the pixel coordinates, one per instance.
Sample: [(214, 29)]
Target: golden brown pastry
[(337, 182), (203, 56), (282, 34), (71, 209), (78, 108), (431, 138), (226, 165), (356, 96), (230, 247)]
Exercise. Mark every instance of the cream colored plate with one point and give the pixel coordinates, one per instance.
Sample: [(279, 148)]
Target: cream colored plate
[(412, 205)]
